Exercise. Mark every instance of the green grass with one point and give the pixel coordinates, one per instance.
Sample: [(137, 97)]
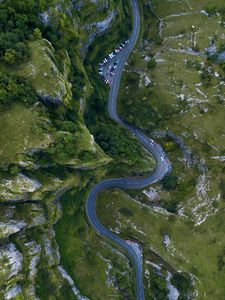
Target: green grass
[(25, 129), (80, 247), (84, 151), (197, 249), (179, 100), (198, 118), (42, 70), (19, 132)]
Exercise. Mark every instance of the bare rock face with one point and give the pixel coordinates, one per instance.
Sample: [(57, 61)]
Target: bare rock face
[(10, 270), (10, 227), (97, 28), (14, 292), (16, 187), (33, 251), (13, 221)]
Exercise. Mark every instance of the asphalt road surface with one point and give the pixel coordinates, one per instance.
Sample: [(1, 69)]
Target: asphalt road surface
[(162, 168), (112, 63)]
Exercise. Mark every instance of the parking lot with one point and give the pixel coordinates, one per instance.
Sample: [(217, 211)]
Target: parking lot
[(107, 68)]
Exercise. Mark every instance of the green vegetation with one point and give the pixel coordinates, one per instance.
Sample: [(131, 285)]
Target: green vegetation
[(158, 287), (151, 64), (13, 89), (43, 71), (126, 212), (114, 140), (19, 21), (186, 97), (45, 88), (182, 282), (149, 227), (23, 134), (84, 260), (169, 182), (117, 143)]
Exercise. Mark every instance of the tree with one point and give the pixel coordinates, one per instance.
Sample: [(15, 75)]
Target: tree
[(15, 89), (10, 56), (37, 34), (152, 64), (211, 10), (169, 182), (222, 65)]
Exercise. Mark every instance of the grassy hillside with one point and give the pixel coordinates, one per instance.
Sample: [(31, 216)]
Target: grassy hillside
[(178, 73)]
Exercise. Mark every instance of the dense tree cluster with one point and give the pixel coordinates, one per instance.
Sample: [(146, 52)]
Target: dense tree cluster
[(183, 283), (158, 286), (169, 182), (15, 89), (18, 19), (115, 141), (66, 125), (64, 147)]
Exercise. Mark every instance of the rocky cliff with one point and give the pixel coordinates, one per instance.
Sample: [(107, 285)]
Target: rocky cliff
[(46, 148)]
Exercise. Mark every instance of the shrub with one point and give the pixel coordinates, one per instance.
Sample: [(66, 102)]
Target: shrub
[(182, 282), (66, 126), (169, 182), (152, 64), (206, 77), (158, 286), (86, 155), (211, 10), (10, 56), (64, 148), (15, 89), (37, 34), (126, 212)]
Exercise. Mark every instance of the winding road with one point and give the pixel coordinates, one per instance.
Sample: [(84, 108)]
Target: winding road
[(162, 168)]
